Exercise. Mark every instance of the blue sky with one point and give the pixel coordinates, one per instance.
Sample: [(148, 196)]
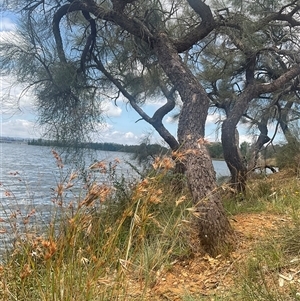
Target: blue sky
[(18, 116)]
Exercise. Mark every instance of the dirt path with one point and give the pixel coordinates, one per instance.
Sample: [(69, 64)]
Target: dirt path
[(206, 276)]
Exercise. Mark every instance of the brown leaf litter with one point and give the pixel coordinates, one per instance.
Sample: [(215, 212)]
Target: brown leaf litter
[(202, 275)]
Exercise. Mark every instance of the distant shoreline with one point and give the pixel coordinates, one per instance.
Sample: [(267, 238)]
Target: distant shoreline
[(215, 148), (14, 141)]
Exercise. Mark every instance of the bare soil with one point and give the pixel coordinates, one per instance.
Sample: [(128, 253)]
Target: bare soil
[(204, 276)]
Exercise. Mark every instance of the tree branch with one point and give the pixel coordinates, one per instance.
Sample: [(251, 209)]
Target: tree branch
[(90, 40), (199, 32), (279, 82), (202, 10), (61, 12), (156, 120), (166, 108), (193, 36), (119, 5)]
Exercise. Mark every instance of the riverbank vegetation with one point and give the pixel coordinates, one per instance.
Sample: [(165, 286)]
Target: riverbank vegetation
[(144, 149), (190, 59), (136, 240), (140, 53)]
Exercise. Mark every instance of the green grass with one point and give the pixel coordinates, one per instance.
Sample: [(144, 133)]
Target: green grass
[(278, 253), (114, 244), (279, 194), (259, 277), (89, 252)]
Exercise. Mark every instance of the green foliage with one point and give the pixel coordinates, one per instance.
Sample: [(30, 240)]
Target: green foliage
[(277, 252), (288, 156), (152, 149), (277, 193), (215, 150), (244, 148), (290, 239), (146, 153)]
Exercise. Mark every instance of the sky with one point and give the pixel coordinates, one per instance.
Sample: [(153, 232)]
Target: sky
[(19, 117)]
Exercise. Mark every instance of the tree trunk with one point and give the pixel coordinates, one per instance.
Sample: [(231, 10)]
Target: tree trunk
[(283, 122), (233, 158), (262, 139), (215, 232), (232, 155)]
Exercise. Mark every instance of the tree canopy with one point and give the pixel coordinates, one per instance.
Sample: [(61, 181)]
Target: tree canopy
[(233, 56)]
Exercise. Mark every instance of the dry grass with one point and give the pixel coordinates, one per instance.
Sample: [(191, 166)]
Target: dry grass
[(135, 242), (95, 249)]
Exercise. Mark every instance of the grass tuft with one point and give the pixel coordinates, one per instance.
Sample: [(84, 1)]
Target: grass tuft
[(120, 239), (112, 244)]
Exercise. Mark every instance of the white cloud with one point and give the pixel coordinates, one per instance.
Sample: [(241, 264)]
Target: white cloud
[(20, 128), (105, 127), (247, 138), (119, 137), (13, 38), (6, 24), (129, 135), (110, 109), (170, 119), (212, 118), (14, 98), (156, 102)]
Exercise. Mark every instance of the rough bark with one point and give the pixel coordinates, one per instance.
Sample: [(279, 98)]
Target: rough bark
[(232, 156), (215, 232), (262, 139), (283, 122)]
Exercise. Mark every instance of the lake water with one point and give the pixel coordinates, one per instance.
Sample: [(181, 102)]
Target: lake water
[(35, 169), (29, 176)]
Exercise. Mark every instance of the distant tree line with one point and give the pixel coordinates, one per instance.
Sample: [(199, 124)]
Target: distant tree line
[(105, 146), (215, 148), (237, 58)]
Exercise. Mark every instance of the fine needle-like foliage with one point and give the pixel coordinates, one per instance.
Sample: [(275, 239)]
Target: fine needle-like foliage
[(229, 54)]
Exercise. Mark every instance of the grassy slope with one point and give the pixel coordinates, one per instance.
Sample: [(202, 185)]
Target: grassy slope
[(139, 245)]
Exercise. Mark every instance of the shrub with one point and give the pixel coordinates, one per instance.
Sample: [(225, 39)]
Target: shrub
[(288, 156)]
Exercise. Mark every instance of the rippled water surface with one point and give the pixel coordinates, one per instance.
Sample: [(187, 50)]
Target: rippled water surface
[(29, 176)]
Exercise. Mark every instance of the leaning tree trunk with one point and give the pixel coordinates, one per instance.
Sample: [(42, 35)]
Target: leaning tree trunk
[(233, 157), (283, 122), (262, 139), (215, 232), (214, 229)]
